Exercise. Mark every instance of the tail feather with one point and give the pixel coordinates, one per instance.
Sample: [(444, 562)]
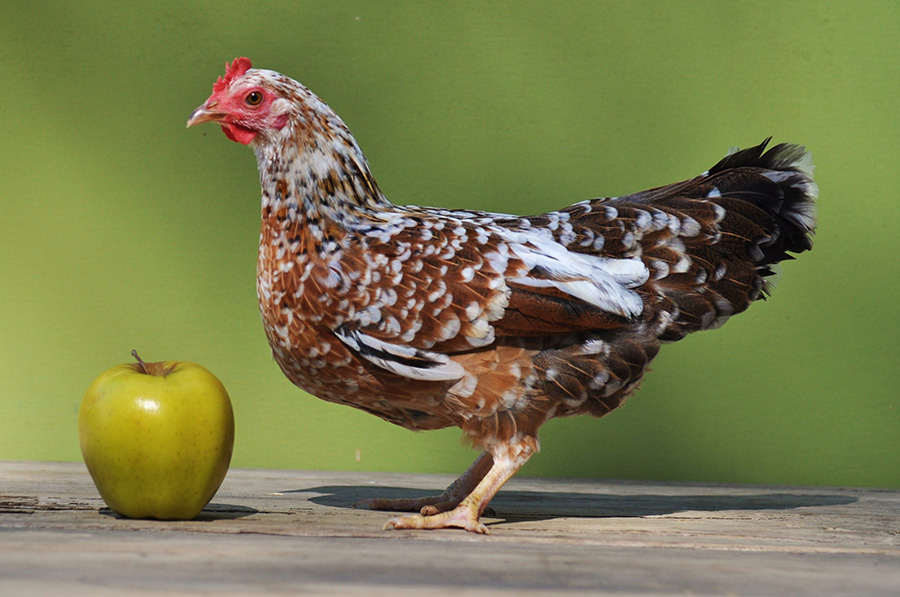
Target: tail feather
[(768, 198), (710, 242), (779, 182)]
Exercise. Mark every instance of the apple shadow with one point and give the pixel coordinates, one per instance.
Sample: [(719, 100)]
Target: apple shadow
[(225, 512), (517, 505), (209, 513)]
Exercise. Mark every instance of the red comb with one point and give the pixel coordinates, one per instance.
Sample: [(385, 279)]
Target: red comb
[(232, 71)]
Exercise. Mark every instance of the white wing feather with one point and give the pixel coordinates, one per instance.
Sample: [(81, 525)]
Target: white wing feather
[(402, 360)]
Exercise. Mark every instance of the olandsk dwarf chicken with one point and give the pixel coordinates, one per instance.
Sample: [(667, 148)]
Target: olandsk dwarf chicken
[(492, 323)]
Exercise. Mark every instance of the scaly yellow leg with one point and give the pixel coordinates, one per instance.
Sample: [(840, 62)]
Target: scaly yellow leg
[(467, 513)]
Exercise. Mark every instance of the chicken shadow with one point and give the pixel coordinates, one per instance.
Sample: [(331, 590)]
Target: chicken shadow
[(520, 505)]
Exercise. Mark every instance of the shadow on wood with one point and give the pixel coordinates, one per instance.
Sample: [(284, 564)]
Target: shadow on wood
[(542, 505), (209, 513)]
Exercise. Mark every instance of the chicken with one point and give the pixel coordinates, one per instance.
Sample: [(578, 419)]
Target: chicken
[(493, 323)]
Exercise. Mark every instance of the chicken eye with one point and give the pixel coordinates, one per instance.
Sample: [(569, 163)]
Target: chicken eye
[(253, 98)]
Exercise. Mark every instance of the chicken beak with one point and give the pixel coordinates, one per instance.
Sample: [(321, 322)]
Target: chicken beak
[(206, 113)]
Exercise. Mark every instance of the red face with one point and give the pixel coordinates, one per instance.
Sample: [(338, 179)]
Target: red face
[(242, 108)]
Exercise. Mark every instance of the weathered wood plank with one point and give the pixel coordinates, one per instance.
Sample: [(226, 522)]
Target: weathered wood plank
[(295, 532)]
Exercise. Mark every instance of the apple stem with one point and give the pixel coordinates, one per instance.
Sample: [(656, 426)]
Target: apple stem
[(156, 368), (140, 361)]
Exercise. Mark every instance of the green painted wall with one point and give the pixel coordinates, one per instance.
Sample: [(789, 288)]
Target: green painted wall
[(120, 229)]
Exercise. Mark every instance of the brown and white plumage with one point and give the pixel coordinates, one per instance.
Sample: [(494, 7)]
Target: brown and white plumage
[(493, 323)]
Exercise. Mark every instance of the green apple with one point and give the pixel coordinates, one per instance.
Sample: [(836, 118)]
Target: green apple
[(156, 438)]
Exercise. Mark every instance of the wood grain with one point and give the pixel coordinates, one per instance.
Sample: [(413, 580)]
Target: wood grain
[(280, 532)]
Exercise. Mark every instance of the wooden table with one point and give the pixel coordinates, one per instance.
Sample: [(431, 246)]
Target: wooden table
[(280, 532)]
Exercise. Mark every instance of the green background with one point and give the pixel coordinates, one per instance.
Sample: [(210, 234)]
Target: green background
[(120, 229)]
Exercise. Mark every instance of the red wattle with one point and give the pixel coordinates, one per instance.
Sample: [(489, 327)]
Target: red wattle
[(238, 133)]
